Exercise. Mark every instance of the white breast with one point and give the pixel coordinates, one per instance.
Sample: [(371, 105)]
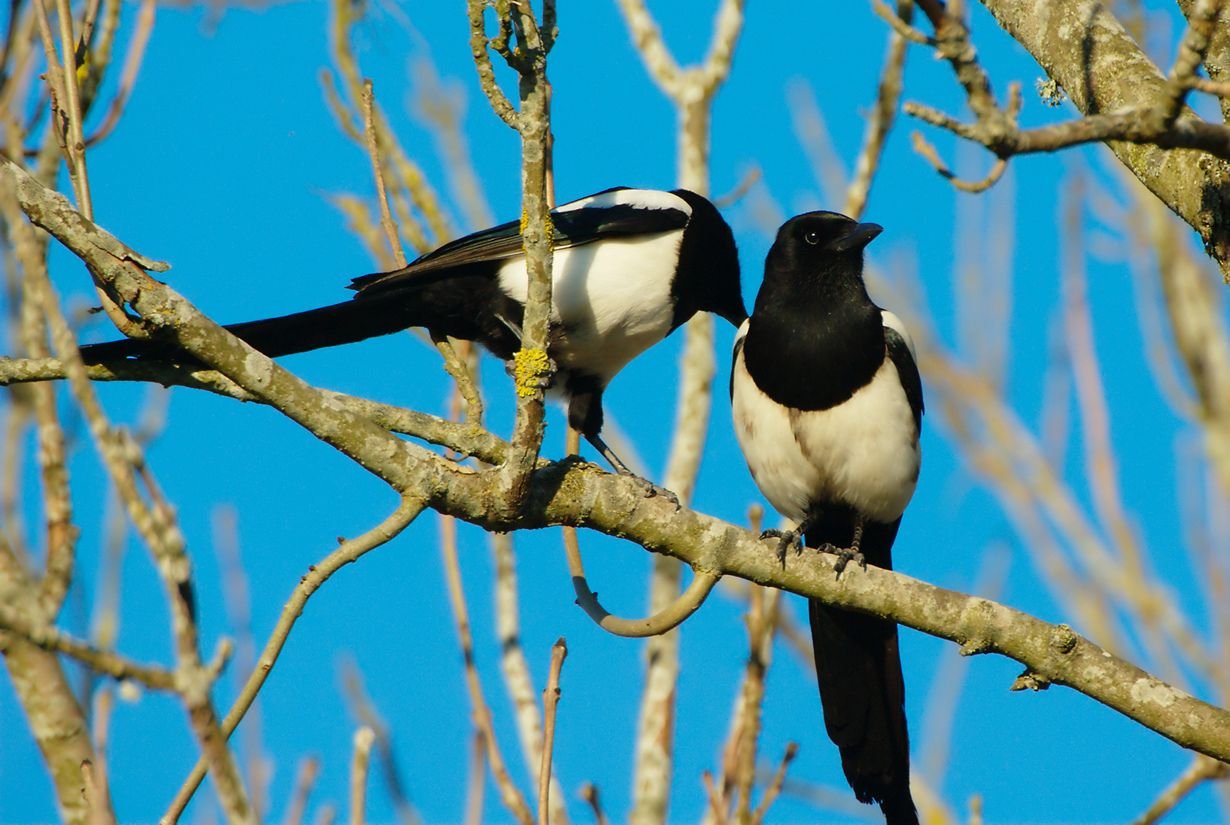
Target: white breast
[(863, 452), (613, 299)]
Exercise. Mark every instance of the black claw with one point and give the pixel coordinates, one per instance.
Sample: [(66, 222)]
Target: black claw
[(845, 555), (786, 540)]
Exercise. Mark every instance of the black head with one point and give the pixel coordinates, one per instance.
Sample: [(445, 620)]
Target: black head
[(821, 241), (708, 265)]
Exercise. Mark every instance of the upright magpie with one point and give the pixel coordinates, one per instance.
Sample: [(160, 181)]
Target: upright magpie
[(827, 407), (630, 266)]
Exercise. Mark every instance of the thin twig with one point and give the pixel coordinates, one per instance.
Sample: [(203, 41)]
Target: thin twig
[(369, 716), (98, 807), (883, 116), (48, 637), (363, 739), (899, 25), (1202, 769), (459, 370), (775, 785), (509, 793), (305, 780), (515, 668), (924, 148), (476, 780), (348, 552), (550, 701), (662, 621), (589, 793), (382, 196), (717, 804), (128, 76)]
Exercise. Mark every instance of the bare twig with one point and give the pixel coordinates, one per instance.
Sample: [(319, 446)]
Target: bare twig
[(369, 716), (509, 793), (550, 701), (112, 664), (128, 76), (476, 780), (305, 779), (900, 24), (662, 621), (888, 95), (1202, 769), (455, 365), (348, 552), (98, 806), (589, 793), (382, 197), (363, 739), (922, 147), (515, 668), (717, 803), (774, 787)]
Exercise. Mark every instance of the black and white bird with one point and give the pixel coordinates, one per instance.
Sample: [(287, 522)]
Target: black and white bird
[(630, 266), (827, 406)]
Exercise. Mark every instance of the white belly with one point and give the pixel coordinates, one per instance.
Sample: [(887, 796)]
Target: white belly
[(863, 453), (613, 299)]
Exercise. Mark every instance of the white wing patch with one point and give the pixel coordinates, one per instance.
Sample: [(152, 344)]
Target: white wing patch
[(613, 297), (898, 326), (644, 198)]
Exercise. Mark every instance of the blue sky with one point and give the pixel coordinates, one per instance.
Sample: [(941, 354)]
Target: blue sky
[(225, 164)]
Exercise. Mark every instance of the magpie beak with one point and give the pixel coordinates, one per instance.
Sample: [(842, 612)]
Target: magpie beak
[(827, 405), (857, 237), (630, 265)]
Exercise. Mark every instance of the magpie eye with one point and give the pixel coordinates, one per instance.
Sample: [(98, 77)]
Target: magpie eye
[(812, 237)]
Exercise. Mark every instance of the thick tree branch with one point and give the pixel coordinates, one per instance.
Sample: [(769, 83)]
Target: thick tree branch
[(1193, 184)]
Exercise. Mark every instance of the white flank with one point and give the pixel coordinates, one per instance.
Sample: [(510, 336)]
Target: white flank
[(613, 298), (863, 452), (644, 198)]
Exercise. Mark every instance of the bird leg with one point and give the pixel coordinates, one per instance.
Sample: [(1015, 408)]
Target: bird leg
[(650, 489), (845, 555)]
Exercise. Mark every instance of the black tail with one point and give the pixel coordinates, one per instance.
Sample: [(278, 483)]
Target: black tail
[(858, 668), (449, 307)]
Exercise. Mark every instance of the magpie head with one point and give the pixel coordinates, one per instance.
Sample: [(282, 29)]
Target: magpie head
[(709, 263), (821, 239)]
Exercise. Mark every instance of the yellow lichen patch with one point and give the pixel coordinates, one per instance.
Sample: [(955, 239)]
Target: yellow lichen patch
[(550, 228), (530, 370)]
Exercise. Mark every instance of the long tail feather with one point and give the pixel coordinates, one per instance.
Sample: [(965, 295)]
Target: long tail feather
[(858, 668), (328, 326)]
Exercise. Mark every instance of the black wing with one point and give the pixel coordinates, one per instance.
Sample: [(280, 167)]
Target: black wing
[(907, 371), (574, 227)]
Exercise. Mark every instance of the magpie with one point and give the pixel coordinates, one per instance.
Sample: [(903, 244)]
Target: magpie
[(827, 407), (630, 266)]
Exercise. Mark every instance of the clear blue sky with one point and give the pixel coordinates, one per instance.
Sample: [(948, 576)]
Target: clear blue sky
[(224, 165)]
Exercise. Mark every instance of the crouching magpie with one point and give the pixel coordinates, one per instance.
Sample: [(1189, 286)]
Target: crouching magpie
[(827, 406), (630, 266)]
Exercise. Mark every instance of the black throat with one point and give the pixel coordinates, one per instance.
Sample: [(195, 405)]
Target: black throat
[(815, 337)]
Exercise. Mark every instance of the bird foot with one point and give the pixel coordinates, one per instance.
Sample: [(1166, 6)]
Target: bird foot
[(785, 540), (845, 555)]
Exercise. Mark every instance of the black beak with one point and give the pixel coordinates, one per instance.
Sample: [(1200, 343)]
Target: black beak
[(857, 238)]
